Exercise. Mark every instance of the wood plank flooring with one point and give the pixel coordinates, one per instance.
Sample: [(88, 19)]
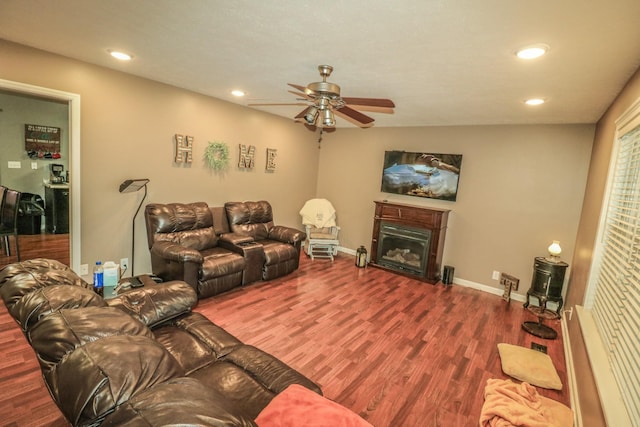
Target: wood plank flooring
[(52, 246), (397, 351)]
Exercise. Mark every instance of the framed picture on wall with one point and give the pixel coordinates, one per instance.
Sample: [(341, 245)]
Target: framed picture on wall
[(42, 141), (430, 175)]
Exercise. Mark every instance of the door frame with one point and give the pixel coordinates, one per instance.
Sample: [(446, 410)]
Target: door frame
[(73, 101)]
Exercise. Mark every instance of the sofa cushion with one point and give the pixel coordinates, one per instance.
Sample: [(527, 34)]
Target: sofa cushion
[(60, 333), (252, 218), (20, 281), (220, 262), (190, 225), (41, 302), (95, 378), (31, 265), (276, 252), (180, 401)]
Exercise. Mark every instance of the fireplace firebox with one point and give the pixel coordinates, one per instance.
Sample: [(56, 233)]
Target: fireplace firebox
[(403, 248), (409, 240)]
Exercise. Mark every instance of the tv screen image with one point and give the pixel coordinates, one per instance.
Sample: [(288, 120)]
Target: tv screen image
[(430, 175)]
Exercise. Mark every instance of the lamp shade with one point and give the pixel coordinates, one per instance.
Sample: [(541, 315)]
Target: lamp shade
[(555, 249), (132, 185)]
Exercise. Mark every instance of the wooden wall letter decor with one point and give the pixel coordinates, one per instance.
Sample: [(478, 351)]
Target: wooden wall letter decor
[(271, 159), (246, 156), (184, 149)]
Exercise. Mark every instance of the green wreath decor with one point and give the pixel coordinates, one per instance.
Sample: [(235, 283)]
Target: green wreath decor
[(217, 155)]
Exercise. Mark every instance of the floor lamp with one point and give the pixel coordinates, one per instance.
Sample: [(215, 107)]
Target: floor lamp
[(131, 186)]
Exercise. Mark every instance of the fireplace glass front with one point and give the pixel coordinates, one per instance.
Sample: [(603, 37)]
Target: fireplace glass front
[(403, 248)]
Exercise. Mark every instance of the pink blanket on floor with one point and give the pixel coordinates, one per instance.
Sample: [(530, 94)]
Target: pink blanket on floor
[(509, 404), (298, 406)]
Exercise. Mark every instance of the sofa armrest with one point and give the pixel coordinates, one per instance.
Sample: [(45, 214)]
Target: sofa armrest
[(174, 252), (287, 234), (235, 238), (158, 303)]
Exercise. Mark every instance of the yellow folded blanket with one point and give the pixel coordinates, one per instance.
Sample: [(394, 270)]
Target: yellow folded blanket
[(508, 404)]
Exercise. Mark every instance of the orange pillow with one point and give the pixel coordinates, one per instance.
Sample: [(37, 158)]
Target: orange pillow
[(298, 406)]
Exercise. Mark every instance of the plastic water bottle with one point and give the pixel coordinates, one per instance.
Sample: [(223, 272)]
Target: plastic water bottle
[(98, 278)]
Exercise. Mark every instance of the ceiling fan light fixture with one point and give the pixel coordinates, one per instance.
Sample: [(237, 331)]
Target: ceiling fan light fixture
[(328, 118), (311, 115)]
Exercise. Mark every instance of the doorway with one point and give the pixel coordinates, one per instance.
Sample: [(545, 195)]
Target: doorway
[(34, 171)]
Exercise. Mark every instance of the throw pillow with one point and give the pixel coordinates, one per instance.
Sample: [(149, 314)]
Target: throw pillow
[(299, 406)]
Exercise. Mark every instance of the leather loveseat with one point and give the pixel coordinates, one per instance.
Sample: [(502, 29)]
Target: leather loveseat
[(142, 358), (216, 249)]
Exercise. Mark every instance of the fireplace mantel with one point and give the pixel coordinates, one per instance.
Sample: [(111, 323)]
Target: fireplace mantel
[(418, 221)]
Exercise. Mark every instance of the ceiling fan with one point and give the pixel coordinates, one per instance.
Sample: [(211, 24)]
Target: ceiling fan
[(325, 103)]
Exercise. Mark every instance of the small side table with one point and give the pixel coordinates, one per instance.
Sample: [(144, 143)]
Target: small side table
[(546, 285)]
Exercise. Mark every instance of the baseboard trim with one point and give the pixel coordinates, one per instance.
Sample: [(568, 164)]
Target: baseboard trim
[(486, 288), (465, 283)]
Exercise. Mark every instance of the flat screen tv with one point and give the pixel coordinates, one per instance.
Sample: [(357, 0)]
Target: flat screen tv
[(430, 175)]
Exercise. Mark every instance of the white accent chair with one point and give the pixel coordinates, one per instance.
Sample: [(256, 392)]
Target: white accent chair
[(319, 219)]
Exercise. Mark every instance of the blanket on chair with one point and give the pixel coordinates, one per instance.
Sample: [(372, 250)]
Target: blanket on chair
[(509, 404)]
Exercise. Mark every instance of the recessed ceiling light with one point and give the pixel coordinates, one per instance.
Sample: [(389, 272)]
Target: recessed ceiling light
[(533, 51), (238, 92), (120, 55), (534, 101)]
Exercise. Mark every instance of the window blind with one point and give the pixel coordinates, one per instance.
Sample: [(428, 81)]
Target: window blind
[(616, 303)]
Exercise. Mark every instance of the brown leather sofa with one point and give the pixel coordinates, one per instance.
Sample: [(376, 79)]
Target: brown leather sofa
[(216, 249), (142, 358), (280, 245)]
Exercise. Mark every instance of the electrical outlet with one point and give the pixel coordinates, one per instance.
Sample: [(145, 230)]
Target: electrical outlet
[(124, 264), (84, 269), (495, 275)]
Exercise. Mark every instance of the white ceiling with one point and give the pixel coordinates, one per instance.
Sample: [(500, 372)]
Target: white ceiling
[(442, 62)]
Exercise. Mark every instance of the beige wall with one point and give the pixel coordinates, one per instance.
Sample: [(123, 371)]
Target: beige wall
[(520, 188), (585, 241), (127, 129)]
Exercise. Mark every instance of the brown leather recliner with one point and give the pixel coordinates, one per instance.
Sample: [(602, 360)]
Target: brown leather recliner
[(142, 358), (185, 245), (281, 245)]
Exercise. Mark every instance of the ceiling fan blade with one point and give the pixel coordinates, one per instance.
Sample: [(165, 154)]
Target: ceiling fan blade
[(370, 109), (301, 113), (357, 116), (300, 88), (300, 95), (371, 102)]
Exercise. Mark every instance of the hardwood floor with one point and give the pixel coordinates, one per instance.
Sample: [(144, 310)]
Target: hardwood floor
[(52, 246), (397, 351)]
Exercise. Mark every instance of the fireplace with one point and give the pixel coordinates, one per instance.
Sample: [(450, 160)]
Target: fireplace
[(403, 248), (409, 240)]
